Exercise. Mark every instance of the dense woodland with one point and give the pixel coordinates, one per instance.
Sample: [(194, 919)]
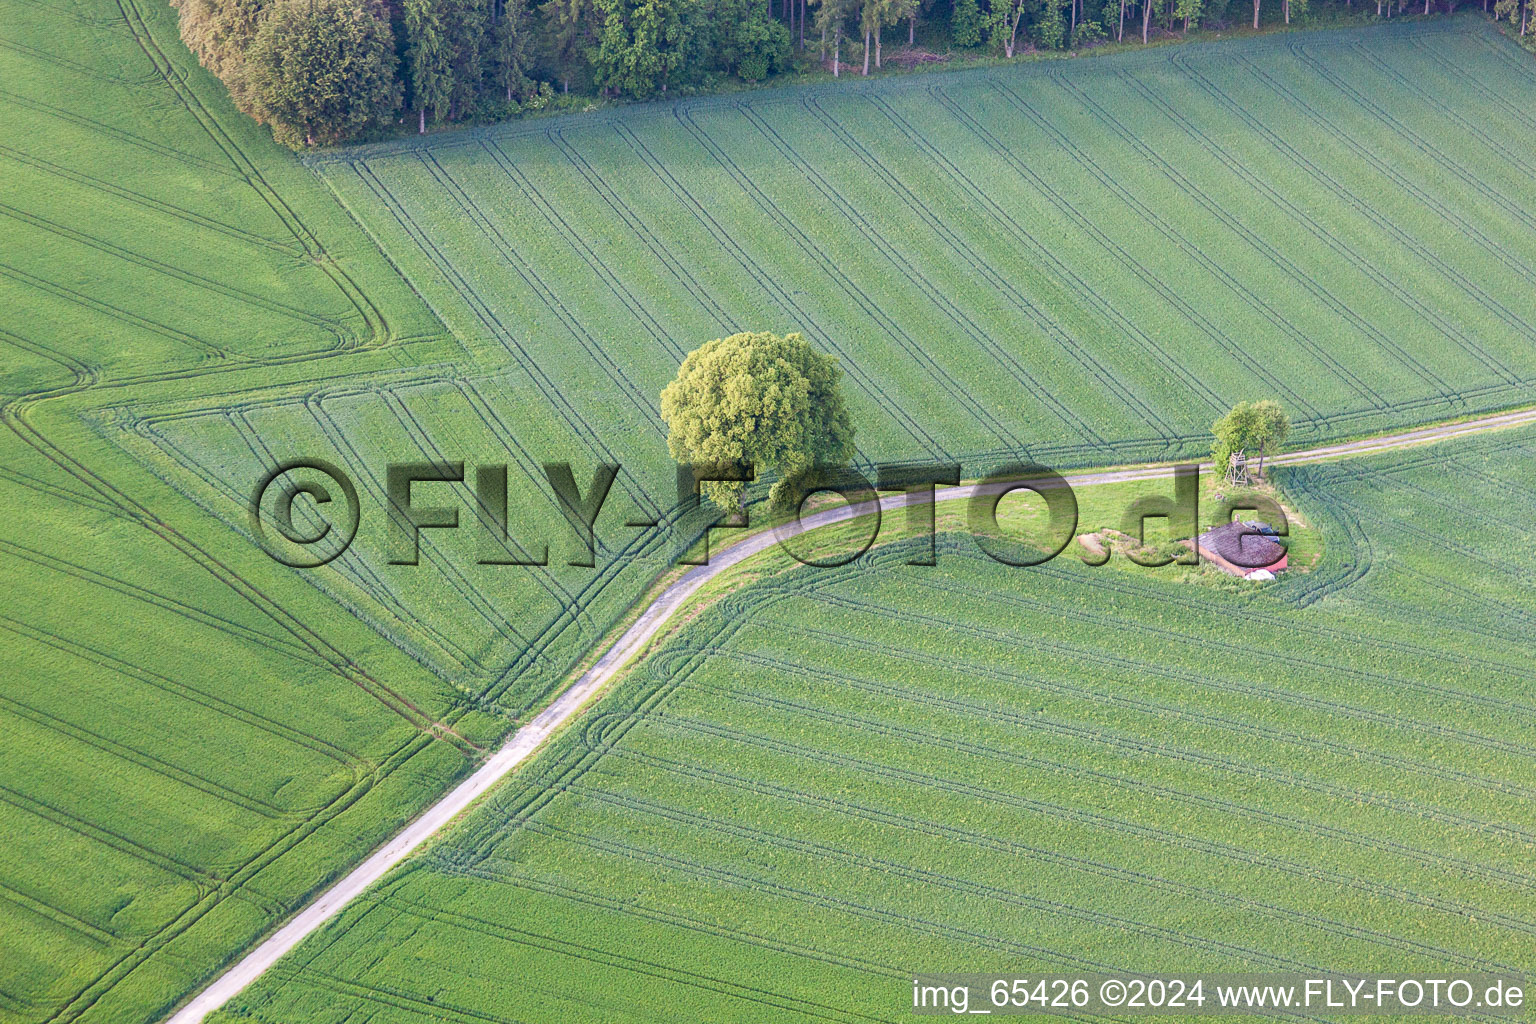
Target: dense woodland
[(324, 71)]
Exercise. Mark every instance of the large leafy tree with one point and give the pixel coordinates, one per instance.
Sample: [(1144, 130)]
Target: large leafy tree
[(220, 32), (321, 70), (757, 398)]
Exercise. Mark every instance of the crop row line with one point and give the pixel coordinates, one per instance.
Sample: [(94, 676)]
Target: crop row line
[(375, 323), (760, 886), (1119, 625), (835, 275), (187, 692), (1042, 255), (637, 226), (164, 602), (1141, 748), (1077, 652), (1191, 249), (348, 565), (1410, 87), (727, 242), (1349, 198), (493, 324), (1107, 584), (1045, 323), (1153, 709), (151, 763), (1121, 256), (327, 324), (653, 968), (1057, 812), (1201, 801), (1377, 164), (646, 406), (73, 66), (57, 916), (694, 822), (116, 134), (205, 349), (1450, 331), (1414, 139), (909, 272), (561, 227)]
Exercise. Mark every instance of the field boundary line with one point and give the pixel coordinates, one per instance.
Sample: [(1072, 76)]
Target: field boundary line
[(632, 644)]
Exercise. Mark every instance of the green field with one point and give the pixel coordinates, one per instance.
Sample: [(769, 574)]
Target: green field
[(191, 740), (836, 777), (1079, 262), (1085, 260), (1076, 261)]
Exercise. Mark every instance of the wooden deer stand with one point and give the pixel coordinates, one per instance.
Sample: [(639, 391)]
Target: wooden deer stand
[(1237, 469)]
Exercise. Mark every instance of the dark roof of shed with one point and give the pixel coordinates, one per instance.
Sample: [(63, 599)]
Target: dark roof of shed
[(1248, 545)]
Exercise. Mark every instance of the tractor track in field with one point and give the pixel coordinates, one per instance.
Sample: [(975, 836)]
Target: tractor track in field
[(651, 622)]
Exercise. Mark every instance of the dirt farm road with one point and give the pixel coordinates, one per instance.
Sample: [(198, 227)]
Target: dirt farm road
[(634, 639)]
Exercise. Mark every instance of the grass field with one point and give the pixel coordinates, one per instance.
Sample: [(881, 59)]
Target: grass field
[(836, 777), (1074, 261)]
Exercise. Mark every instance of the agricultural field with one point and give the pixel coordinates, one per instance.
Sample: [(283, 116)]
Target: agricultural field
[(191, 741), (1076, 262), (835, 777), (1004, 267), (1085, 260)]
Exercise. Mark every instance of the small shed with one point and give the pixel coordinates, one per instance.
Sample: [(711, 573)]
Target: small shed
[(1244, 549)]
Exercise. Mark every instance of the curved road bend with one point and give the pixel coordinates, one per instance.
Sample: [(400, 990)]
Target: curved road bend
[(531, 736)]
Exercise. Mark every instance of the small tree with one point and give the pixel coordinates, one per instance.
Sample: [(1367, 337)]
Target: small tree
[(748, 41), (506, 59), (1233, 432), (1256, 427), (1001, 24), (1050, 27), (427, 61), (834, 15), (757, 398), (1271, 426), (641, 46), (965, 23)]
